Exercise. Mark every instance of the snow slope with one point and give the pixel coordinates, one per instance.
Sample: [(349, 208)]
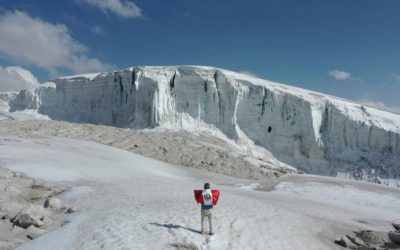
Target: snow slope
[(317, 133), (196, 150), (132, 202)]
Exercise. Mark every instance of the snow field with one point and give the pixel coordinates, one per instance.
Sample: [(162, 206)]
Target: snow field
[(132, 202)]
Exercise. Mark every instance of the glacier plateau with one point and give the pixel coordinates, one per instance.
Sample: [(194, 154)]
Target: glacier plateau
[(317, 133)]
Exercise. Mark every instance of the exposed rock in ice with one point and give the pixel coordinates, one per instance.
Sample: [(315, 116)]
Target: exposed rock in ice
[(315, 132), (5, 98), (53, 203), (394, 237), (31, 215)]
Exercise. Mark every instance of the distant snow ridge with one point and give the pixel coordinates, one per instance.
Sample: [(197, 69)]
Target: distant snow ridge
[(317, 133)]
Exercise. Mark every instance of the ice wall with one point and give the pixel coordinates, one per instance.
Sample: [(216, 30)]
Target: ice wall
[(317, 133)]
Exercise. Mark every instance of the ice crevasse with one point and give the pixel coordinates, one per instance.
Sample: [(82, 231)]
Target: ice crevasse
[(314, 132)]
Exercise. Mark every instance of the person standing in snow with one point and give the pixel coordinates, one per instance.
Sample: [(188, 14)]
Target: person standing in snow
[(207, 198)]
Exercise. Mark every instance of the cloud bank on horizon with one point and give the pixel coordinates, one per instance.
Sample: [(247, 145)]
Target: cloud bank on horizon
[(32, 41)]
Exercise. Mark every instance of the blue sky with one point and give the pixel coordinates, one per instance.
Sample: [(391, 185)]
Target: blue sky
[(347, 48)]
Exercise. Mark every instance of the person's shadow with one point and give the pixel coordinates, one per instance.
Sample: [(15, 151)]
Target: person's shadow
[(174, 226)]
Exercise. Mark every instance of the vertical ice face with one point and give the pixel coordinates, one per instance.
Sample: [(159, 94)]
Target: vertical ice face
[(282, 123), (317, 133)]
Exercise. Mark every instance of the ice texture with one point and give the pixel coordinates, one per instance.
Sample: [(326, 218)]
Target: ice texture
[(317, 133)]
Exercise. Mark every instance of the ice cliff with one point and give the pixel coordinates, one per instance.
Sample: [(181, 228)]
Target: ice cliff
[(317, 133)]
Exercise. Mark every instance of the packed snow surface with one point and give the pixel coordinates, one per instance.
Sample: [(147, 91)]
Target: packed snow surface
[(128, 201), (317, 133)]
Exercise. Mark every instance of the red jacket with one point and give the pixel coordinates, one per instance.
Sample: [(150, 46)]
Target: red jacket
[(198, 196)]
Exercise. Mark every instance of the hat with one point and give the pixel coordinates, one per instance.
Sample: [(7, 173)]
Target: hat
[(207, 185)]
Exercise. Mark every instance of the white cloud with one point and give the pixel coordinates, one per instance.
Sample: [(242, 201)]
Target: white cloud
[(14, 78), (339, 74), (397, 77), (378, 104), (125, 9), (98, 30), (50, 46)]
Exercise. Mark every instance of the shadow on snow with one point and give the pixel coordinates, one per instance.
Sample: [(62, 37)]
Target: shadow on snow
[(174, 226)]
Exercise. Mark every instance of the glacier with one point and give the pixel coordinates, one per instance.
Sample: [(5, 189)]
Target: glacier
[(317, 133)]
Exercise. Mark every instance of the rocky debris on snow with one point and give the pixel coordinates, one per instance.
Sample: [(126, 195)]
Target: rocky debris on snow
[(373, 237), (395, 237), (371, 240), (40, 192), (52, 203), (6, 228), (12, 189), (355, 240), (5, 173), (10, 208), (33, 232), (72, 210), (396, 225), (345, 241), (184, 246), (33, 215), (200, 150), (21, 218)]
